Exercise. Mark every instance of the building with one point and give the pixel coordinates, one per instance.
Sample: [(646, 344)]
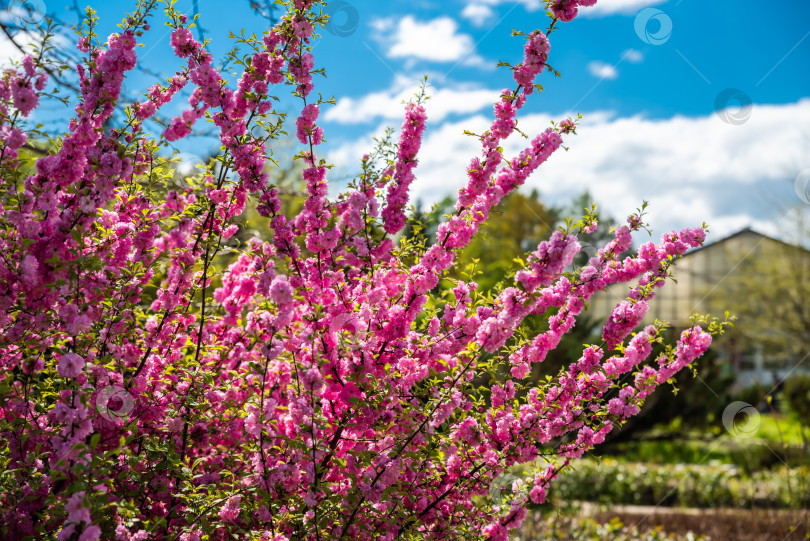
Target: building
[(762, 280)]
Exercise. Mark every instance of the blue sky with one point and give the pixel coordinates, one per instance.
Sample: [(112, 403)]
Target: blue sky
[(702, 108)]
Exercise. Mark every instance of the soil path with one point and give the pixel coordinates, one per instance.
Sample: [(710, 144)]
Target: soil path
[(719, 524)]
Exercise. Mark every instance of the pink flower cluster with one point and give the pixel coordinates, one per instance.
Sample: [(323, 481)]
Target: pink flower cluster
[(409, 143), (18, 97), (172, 378), (78, 519), (548, 261), (306, 125), (566, 10), (536, 53), (21, 88)]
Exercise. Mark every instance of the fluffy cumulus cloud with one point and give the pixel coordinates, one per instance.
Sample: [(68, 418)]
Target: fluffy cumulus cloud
[(9, 52), (482, 12), (633, 55), (436, 40), (602, 70), (478, 14), (691, 169), (387, 104)]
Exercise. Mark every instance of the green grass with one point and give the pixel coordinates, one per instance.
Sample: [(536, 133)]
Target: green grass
[(706, 485), (555, 528), (776, 442), (777, 428)]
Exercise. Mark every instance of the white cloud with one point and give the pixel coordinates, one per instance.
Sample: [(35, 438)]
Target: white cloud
[(480, 11), (9, 52), (691, 169), (27, 40), (478, 14), (633, 55), (622, 7), (437, 40), (602, 70), (382, 25), (387, 104)]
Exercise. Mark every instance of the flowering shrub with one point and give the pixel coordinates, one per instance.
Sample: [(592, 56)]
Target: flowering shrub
[(320, 386)]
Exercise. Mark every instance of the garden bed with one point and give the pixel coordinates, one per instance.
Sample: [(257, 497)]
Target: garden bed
[(648, 523), (683, 485), (716, 524)]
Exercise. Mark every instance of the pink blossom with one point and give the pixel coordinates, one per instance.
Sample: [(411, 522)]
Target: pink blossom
[(70, 365), (280, 291), (538, 494), (230, 511), (91, 533), (15, 139), (327, 378)]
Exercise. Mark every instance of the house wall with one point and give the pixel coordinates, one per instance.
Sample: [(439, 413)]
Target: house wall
[(701, 274), (698, 274)]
